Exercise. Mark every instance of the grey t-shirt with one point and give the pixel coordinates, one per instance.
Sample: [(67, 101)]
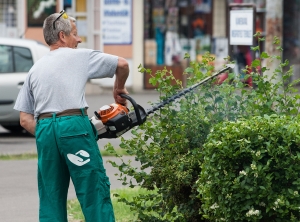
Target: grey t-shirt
[(57, 81)]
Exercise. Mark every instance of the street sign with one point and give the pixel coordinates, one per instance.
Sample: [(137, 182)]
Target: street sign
[(116, 21), (241, 27)]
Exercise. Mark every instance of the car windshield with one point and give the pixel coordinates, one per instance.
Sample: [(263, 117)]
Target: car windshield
[(15, 59)]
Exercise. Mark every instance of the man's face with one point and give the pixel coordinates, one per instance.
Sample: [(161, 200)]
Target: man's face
[(73, 39)]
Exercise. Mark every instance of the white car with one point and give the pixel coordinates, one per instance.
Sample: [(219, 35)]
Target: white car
[(16, 58)]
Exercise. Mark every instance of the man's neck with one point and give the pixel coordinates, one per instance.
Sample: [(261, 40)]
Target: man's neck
[(56, 46)]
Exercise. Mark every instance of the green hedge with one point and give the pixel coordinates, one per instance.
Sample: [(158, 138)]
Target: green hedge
[(251, 170)]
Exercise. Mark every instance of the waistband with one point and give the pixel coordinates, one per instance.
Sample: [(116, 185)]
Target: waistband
[(67, 112)]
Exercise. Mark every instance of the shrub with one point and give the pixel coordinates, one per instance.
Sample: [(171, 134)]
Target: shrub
[(170, 144), (251, 170)]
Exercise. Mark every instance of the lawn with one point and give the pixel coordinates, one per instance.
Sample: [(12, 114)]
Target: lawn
[(123, 213)]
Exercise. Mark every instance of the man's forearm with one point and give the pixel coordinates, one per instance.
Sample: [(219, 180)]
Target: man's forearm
[(122, 73), (27, 122)]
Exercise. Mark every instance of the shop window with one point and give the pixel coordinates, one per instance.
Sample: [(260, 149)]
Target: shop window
[(175, 27), (291, 35)]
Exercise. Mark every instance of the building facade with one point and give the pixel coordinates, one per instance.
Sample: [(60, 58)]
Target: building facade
[(157, 33)]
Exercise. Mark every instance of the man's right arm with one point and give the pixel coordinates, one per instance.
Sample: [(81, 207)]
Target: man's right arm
[(122, 73), (27, 122)]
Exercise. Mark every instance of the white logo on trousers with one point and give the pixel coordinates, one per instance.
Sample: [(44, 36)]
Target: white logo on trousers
[(78, 160)]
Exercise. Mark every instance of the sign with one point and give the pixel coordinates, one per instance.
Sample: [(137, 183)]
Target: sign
[(241, 27), (116, 21)]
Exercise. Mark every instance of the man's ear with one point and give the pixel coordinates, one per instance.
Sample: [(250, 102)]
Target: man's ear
[(62, 36)]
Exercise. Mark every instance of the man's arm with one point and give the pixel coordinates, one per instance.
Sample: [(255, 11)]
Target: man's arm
[(122, 73), (27, 122)]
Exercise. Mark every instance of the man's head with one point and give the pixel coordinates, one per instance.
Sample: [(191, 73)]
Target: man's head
[(60, 30)]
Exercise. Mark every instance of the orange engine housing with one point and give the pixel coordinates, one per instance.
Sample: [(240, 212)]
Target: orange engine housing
[(108, 112)]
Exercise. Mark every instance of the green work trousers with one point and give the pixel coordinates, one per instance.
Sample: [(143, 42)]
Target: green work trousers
[(67, 148)]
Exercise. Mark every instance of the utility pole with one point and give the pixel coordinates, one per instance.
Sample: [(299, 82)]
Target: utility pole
[(274, 28)]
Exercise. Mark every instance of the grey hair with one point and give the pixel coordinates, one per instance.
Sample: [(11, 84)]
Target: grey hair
[(51, 34)]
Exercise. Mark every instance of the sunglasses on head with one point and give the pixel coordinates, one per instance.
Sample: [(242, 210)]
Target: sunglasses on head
[(61, 14)]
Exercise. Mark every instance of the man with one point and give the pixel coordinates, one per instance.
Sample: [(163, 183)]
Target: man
[(52, 107)]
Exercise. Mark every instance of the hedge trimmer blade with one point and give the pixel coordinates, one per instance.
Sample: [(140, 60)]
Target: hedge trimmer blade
[(185, 91)]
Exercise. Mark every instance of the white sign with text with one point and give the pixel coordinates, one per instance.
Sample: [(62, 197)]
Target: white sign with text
[(116, 21), (241, 27)]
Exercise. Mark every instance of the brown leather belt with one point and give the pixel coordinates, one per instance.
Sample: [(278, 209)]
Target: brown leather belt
[(67, 112)]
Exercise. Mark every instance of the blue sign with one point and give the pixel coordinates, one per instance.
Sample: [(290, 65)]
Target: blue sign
[(116, 22)]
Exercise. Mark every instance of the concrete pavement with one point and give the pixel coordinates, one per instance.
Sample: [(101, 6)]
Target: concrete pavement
[(18, 183)]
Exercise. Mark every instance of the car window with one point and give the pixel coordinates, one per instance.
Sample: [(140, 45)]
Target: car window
[(15, 59), (23, 59), (6, 64)]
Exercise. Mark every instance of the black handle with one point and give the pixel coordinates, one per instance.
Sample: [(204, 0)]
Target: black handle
[(135, 106)]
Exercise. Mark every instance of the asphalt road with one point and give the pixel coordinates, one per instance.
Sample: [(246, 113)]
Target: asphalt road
[(18, 185)]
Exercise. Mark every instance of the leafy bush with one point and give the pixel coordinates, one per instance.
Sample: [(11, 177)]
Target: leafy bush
[(170, 144), (251, 170)]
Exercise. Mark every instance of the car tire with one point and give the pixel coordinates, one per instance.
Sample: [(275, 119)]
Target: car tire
[(14, 128)]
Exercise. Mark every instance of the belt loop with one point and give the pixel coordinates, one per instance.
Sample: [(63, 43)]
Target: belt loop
[(53, 117), (82, 111)]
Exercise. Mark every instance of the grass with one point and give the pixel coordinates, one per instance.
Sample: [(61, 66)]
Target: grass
[(28, 156), (23, 156), (123, 213)]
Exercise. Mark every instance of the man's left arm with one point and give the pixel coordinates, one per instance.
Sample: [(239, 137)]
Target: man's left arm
[(27, 122)]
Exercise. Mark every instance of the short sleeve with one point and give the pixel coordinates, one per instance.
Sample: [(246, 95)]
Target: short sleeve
[(101, 65), (25, 101)]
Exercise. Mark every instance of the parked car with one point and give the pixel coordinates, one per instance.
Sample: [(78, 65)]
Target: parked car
[(16, 58)]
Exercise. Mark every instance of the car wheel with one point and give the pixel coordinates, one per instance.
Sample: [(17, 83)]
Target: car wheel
[(15, 129)]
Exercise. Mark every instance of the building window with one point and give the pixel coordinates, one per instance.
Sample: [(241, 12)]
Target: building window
[(37, 11), (8, 13), (8, 18)]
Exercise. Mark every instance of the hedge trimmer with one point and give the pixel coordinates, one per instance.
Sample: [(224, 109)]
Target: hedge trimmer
[(113, 120)]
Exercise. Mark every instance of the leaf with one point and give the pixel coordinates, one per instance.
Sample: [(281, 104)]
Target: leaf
[(153, 81), (264, 55), (263, 69), (189, 70), (256, 48), (186, 56), (255, 63), (261, 39)]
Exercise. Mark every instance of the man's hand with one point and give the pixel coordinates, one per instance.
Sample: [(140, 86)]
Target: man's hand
[(27, 122), (118, 98)]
